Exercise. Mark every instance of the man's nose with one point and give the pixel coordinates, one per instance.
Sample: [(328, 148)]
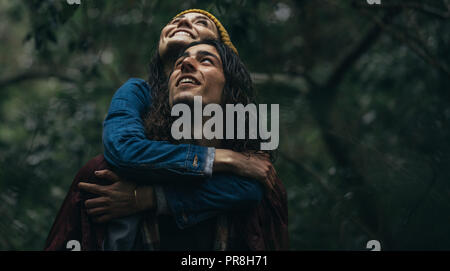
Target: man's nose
[(188, 65)]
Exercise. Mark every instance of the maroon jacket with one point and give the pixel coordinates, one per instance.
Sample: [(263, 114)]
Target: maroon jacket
[(265, 228)]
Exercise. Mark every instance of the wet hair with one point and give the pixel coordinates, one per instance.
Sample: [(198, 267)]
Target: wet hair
[(238, 88)]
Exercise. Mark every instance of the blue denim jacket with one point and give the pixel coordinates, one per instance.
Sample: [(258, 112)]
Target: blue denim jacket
[(127, 148)]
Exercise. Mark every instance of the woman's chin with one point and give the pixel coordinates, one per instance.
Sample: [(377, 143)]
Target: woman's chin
[(179, 41), (171, 47)]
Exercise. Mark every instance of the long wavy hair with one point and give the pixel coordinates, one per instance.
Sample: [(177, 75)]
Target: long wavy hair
[(238, 89)]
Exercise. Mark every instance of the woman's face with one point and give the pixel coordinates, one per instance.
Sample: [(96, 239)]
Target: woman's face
[(183, 30)]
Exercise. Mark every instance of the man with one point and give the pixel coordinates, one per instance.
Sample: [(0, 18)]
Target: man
[(170, 33)]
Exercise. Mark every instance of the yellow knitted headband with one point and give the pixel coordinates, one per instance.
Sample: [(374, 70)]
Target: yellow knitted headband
[(222, 31)]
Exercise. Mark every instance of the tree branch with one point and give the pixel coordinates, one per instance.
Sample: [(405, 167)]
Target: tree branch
[(301, 81), (416, 46), (363, 45), (33, 75), (322, 98)]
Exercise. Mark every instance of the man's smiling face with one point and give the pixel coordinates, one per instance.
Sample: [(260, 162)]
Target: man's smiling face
[(185, 29), (198, 72)]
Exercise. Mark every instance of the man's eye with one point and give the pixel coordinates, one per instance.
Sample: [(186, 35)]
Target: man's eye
[(206, 60), (175, 21)]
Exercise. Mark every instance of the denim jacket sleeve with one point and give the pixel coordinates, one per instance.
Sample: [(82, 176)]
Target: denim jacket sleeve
[(221, 193), (127, 148)]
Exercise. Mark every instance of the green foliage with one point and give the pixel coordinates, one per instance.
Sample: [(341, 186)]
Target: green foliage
[(363, 93)]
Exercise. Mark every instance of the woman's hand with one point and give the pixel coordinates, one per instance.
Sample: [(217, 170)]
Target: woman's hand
[(115, 200), (252, 165)]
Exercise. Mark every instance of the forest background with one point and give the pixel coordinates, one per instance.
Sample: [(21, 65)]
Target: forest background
[(363, 89)]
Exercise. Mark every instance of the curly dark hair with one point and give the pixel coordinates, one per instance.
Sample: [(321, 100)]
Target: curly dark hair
[(238, 89)]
